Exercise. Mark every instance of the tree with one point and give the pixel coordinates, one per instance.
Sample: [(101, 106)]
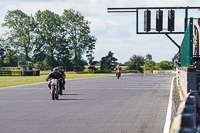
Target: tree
[(20, 35), (149, 65), (2, 56), (164, 65), (77, 32), (148, 58), (48, 37), (108, 62), (135, 63)]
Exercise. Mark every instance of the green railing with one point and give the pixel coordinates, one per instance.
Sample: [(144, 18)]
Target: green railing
[(187, 46)]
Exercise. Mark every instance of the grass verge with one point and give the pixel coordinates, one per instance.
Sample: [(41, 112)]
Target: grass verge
[(6, 81)]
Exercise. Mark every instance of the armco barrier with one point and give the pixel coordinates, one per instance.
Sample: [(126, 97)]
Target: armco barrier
[(185, 120), (5, 72)]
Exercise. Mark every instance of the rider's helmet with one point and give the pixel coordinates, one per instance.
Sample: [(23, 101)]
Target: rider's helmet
[(59, 69), (55, 71)]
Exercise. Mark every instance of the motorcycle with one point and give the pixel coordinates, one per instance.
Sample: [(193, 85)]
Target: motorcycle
[(56, 89), (118, 74)]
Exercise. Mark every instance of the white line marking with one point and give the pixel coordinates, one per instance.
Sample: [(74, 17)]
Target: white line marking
[(169, 110)]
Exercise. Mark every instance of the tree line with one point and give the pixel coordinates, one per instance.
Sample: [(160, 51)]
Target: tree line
[(136, 62), (47, 40)]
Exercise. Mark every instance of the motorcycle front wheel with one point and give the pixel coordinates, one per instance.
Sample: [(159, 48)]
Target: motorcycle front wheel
[(53, 93)]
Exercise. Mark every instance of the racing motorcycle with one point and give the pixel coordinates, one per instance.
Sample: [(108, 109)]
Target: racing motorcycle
[(118, 74), (56, 89)]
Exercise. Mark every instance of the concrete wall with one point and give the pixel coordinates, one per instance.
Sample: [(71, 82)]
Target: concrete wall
[(186, 79)]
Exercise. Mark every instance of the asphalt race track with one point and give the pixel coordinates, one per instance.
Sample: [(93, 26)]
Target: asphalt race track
[(135, 103)]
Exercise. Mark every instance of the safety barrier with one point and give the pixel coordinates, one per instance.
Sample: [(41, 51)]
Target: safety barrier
[(30, 73), (15, 72), (162, 71), (5, 73), (82, 72), (19, 73), (185, 119), (121, 71)]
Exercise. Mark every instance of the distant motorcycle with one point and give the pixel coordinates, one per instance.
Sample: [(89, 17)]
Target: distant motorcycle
[(118, 74), (56, 89)]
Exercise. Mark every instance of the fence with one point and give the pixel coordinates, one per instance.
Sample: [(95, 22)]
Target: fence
[(187, 46)]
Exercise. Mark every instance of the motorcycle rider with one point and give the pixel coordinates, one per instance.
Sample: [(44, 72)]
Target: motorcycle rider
[(55, 75), (63, 74), (118, 68)]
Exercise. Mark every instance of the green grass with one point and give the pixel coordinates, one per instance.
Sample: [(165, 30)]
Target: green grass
[(6, 81)]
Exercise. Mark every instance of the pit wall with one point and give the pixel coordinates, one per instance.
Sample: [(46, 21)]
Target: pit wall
[(186, 80)]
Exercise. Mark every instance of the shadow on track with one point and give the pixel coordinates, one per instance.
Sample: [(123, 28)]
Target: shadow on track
[(72, 94), (72, 99)]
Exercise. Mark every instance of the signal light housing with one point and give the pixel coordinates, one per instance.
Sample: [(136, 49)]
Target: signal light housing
[(159, 20), (171, 17), (147, 20)]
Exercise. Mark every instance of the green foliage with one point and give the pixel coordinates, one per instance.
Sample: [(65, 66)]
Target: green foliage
[(149, 65), (21, 34), (2, 56), (148, 58), (164, 65), (135, 63), (108, 62), (78, 37), (49, 39)]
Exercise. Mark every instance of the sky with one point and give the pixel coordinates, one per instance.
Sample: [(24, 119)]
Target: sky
[(115, 32)]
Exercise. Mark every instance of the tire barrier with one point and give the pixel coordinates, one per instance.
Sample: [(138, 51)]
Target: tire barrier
[(19, 73), (185, 120)]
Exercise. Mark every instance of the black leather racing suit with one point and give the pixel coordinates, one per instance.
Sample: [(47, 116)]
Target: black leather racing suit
[(55, 76)]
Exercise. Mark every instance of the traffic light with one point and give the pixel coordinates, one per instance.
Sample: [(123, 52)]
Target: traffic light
[(171, 16), (147, 20), (159, 20)]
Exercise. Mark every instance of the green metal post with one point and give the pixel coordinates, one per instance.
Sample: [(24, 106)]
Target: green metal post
[(137, 21), (173, 41), (191, 41), (186, 16)]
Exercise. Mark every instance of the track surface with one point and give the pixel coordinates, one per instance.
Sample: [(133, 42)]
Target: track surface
[(135, 103)]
